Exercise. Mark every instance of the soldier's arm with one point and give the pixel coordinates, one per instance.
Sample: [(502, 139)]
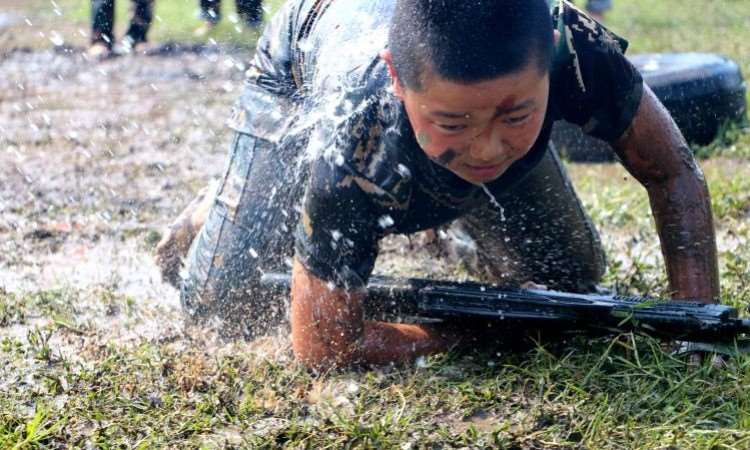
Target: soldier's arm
[(329, 330), (654, 151)]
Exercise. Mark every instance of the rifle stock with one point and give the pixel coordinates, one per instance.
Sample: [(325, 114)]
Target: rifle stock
[(533, 308)]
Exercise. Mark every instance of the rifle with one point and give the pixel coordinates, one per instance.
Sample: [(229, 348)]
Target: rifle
[(548, 310)]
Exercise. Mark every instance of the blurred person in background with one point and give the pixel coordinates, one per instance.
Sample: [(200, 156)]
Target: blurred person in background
[(250, 13), (102, 28), (597, 8)]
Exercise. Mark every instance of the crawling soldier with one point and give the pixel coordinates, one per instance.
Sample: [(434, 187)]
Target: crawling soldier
[(363, 118)]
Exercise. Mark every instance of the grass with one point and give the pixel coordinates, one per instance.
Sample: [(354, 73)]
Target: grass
[(619, 393), (187, 391), (175, 20)]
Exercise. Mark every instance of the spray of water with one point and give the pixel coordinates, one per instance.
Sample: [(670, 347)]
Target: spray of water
[(494, 202)]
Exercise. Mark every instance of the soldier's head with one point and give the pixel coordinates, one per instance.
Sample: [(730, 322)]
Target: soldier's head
[(474, 79)]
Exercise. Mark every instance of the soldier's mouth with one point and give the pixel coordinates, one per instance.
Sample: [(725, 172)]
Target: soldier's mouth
[(484, 173)]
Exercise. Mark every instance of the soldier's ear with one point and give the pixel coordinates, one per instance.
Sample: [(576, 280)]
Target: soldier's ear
[(398, 88), (556, 37)]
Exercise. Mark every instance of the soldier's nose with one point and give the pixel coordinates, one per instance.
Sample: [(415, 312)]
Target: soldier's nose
[(485, 148)]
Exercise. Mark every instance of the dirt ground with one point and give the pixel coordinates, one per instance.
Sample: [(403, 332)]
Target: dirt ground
[(97, 158)]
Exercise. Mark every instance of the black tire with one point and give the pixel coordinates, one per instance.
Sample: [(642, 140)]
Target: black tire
[(701, 91)]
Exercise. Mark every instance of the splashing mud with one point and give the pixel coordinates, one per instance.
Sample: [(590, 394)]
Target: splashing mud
[(98, 158)]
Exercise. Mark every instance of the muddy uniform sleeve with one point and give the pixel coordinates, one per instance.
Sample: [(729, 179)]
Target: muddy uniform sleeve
[(337, 238), (338, 233), (593, 84)]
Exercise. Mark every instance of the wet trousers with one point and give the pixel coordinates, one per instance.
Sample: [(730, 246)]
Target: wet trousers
[(103, 21), (544, 235), (250, 11)]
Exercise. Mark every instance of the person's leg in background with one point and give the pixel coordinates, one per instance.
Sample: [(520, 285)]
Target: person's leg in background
[(140, 21), (102, 24), (250, 12), (210, 14), (597, 8)]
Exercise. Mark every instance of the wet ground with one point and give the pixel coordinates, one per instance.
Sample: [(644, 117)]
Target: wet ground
[(97, 157)]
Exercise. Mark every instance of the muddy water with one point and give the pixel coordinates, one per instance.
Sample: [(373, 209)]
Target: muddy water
[(96, 158)]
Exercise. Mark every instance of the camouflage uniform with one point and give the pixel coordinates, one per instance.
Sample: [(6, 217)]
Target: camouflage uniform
[(324, 164)]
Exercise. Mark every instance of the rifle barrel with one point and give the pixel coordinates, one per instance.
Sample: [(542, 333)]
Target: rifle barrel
[(526, 308)]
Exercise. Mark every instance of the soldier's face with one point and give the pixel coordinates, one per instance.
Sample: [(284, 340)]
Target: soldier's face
[(478, 130)]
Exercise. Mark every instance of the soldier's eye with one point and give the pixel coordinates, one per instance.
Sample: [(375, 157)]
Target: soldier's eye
[(450, 128)]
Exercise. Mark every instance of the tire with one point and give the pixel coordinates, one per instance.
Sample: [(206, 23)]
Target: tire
[(702, 92)]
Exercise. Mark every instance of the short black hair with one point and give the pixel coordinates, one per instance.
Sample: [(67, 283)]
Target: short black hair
[(469, 40)]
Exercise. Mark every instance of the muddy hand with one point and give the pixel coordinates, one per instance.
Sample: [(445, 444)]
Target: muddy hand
[(176, 242)]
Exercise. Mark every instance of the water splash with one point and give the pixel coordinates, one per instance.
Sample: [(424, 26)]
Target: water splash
[(56, 39), (305, 45), (494, 202), (385, 221)]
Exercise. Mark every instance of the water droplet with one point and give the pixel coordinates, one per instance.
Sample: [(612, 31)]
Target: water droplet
[(56, 39), (403, 171), (385, 221), (494, 202), (305, 45)]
